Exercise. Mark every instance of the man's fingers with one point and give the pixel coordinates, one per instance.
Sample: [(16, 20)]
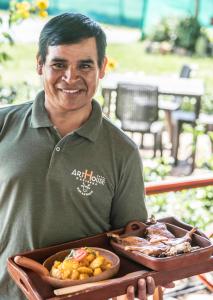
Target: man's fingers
[(150, 285), (130, 293), (142, 289)]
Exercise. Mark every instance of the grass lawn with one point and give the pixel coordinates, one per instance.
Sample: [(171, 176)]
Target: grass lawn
[(129, 57), (132, 57)]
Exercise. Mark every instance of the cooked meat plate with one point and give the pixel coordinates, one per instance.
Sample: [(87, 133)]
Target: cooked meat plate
[(157, 241)]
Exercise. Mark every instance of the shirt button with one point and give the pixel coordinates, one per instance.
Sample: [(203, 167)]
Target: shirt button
[(57, 149)]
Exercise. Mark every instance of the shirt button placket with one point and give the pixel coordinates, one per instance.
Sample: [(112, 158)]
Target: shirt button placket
[(58, 149)]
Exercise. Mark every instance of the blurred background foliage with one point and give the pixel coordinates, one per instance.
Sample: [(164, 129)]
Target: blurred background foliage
[(18, 12), (193, 206)]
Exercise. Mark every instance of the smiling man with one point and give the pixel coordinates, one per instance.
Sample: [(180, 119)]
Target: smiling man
[(70, 75), (66, 171)]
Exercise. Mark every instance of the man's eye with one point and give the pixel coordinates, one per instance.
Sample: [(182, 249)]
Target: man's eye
[(58, 66), (85, 66)]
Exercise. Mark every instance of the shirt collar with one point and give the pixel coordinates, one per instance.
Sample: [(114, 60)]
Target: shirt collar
[(90, 129), (39, 116)]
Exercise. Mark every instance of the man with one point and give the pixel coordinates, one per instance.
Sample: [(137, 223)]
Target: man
[(66, 171)]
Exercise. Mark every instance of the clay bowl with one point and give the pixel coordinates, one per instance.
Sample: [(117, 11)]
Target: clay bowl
[(43, 270)]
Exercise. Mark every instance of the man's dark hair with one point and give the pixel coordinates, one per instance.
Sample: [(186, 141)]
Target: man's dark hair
[(71, 28)]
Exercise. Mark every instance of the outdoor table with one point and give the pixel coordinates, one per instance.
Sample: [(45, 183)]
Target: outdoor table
[(176, 86), (167, 85)]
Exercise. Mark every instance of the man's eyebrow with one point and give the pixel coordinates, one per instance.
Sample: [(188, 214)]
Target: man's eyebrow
[(62, 60), (58, 59), (87, 61)]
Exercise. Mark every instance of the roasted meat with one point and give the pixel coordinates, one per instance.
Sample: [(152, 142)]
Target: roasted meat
[(156, 250), (158, 231), (178, 248), (129, 240), (176, 241), (158, 241)]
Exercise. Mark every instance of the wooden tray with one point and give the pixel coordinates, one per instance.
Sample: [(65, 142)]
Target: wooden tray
[(166, 263), (35, 288)]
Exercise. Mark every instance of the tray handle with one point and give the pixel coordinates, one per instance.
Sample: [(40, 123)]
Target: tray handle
[(22, 280), (135, 226)]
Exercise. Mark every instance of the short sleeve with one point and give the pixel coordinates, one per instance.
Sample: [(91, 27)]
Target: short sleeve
[(129, 201)]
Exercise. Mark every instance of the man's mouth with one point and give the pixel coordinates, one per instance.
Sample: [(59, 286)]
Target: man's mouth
[(69, 91)]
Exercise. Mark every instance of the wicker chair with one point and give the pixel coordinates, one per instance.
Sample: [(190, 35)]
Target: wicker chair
[(137, 109)]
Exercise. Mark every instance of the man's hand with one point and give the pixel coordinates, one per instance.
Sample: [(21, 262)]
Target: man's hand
[(146, 287)]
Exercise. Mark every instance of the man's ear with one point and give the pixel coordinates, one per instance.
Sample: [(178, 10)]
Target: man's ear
[(39, 64), (103, 68)]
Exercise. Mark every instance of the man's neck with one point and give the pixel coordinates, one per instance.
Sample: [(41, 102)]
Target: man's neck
[(68, 121)]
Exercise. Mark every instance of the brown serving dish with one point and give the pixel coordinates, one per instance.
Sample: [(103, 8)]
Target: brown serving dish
[(44, 270), (60, 256), (35, 288), (165, 263)]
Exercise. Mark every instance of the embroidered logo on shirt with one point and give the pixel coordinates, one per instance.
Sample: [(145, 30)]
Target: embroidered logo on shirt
[(87, 180)]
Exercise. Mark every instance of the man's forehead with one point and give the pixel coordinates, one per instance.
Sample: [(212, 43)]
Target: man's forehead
[(85, 47)]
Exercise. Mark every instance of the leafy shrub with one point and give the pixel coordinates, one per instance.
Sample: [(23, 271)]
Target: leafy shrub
[(207, 103), (201, 45), (162, 31), (193, 206), (156, 169), (187, 32), (7, 95)]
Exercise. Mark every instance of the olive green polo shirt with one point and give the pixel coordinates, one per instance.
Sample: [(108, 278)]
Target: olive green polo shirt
[(53, 189)]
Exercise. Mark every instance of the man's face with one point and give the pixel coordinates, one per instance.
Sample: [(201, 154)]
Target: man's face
[(71, 75)]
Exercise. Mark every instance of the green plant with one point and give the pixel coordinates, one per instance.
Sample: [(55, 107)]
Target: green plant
[(187, 32), (162, 31), (19, 10), (156, 169), (207, 103), (7, 95), (193, 206), (201, 45)]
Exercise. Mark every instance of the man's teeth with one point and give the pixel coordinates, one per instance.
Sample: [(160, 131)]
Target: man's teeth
[(70, 91)]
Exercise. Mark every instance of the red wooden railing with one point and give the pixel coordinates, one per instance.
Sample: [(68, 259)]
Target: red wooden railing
[(178, 184)]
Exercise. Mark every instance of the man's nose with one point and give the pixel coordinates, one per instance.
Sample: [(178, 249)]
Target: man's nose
[(70, 74)]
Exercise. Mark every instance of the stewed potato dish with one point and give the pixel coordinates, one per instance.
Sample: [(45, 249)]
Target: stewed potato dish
[(80, 264)]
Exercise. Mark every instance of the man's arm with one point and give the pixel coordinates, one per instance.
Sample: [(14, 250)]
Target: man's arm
[(128, 203)]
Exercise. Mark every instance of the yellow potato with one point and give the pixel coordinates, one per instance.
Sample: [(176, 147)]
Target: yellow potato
[(97, 271), (106, 265), (70, 264), (91, 265), (75, 275), (84, 262), (97, 262), (56, 273), (83, 276), (85, 270), (90, 257), (56, 263), (65, 274)]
